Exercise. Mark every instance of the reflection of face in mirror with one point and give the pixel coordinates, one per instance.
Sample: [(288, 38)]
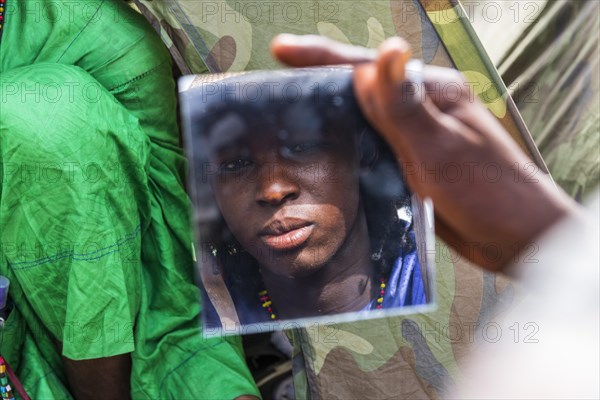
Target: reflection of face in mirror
[(315, 216), (292, 201)]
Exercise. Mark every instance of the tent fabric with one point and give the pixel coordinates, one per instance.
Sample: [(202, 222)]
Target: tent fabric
[(419, 355), (94, 225), (552, 71), (547, 53)]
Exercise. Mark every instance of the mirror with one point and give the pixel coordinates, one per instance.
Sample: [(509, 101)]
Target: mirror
[(300, 209)]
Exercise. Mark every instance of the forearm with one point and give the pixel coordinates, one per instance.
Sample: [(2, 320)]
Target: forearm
[(100, 378)]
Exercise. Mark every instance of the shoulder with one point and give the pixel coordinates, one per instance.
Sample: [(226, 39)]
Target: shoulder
[(114, 42)]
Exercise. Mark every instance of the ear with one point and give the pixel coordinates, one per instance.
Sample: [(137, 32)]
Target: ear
[(368, 151)]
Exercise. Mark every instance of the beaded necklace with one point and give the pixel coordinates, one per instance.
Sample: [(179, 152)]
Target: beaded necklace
[(267, 304), (2, 13), (5, 389)]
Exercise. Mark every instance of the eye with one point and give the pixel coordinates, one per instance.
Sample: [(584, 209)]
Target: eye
[(234, 165), (303, 147)]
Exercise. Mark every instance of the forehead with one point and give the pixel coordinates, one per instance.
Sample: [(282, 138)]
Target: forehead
[(274, 106), (294, 123)]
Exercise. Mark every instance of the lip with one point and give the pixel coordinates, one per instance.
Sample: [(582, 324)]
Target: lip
[(286, 234)]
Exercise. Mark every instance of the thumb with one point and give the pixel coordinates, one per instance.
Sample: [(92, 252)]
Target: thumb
[(393, 97)]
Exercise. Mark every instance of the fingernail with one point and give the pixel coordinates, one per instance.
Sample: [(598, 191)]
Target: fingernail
[(414, 71), (413, 80), (398, 68), (286, 39), (399, 51)]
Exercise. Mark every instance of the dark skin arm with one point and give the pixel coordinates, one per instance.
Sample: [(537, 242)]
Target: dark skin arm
[(439, 128), (104, 378), (99, 378)]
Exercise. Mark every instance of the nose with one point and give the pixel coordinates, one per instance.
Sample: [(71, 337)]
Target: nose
[(275, 186)]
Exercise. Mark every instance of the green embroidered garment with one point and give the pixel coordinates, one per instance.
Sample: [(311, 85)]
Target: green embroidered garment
[(94, 223)]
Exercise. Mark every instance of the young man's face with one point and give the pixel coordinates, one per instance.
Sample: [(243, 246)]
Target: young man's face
[(290, 198)]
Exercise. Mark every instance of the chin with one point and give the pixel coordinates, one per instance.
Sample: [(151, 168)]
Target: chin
[(301, 266)]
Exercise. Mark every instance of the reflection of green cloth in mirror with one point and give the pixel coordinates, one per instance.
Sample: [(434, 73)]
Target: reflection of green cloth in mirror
[(95, 232)]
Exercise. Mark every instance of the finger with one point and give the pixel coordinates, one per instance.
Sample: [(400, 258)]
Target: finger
[(313, 50), (394, 54), (419, 94), (396, 70), (400, 86), (397, 103), (452, 95), (445, 85)]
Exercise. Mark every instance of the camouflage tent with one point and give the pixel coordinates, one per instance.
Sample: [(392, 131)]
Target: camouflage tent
[(550, 63), (553, 74), (547, 54)]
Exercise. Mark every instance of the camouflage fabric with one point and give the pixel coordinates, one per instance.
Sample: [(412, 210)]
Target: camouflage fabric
[(415, 356), (552, 72), (547, 53), (230, 36)]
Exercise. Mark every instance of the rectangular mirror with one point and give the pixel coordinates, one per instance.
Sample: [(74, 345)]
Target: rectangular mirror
[(301, 212)]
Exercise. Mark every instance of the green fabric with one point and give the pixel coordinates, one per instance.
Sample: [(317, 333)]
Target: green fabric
[(93, 213)]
